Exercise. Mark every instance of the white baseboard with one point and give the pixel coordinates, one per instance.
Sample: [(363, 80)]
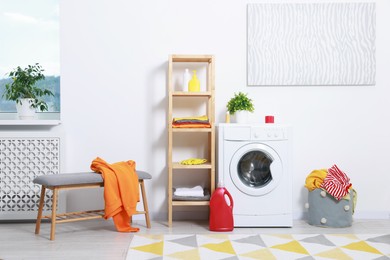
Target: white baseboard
[(357, 215), (203, 215), (371, 215)]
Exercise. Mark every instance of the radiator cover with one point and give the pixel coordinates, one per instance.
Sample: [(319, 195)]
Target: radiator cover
[(22, 158)]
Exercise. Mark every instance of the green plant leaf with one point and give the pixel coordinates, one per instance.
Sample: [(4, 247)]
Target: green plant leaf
[(23, 86), (240, 101)]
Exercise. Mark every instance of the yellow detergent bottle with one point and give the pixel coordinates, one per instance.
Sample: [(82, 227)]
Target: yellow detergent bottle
[(194, 85)]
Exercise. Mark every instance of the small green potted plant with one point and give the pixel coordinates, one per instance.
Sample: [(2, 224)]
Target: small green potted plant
[(240, 105), (23, 91)]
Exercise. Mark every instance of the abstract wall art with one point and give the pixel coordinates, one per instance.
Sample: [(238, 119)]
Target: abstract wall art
[(310, 44)]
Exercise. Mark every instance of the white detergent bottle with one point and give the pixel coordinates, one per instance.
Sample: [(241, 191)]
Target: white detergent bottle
[(186, 79)]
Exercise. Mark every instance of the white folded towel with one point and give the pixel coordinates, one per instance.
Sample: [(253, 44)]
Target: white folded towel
[(196, 191)]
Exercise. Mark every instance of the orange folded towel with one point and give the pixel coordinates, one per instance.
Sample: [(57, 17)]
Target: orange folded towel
[(121, 192)]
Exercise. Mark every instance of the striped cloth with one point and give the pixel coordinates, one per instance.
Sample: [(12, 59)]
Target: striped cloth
[(336, 183)]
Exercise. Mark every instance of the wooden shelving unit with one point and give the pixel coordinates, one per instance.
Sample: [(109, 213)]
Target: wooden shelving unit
[(206, 96)]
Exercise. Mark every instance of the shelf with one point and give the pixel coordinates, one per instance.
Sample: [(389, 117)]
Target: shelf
[(177, 165), (191, 58), (191, 94), (196, 130), (30, 122), (176, 100), (190, 203), (41, 119)]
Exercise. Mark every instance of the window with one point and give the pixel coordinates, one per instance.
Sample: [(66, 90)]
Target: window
[(29, 35)]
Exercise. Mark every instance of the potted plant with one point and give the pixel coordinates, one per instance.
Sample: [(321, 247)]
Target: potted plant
[(23, 91), (239, 106)]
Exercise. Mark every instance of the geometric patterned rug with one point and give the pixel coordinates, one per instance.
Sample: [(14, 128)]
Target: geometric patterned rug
[(264, 246)]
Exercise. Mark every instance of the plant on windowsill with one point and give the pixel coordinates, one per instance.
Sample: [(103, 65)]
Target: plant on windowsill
[(239, 106), (23, 91)]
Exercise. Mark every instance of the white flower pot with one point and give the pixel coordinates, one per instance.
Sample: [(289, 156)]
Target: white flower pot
[(25, 111), (241, 116)]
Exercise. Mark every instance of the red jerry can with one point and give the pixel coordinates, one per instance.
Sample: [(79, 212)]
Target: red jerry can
[(221, 210)]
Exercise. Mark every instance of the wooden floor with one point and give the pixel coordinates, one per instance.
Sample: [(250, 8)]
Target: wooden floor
[(97, 239)]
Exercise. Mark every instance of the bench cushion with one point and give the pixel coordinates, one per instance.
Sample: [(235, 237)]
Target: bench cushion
[(65, 179)]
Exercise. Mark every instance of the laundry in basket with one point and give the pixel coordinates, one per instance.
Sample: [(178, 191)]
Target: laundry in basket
[(331, 198)]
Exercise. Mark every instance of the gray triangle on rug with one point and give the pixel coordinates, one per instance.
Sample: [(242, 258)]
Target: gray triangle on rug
[(186, 241)]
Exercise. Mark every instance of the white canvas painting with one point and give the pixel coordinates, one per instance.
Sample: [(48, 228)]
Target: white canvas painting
[(311, 44)]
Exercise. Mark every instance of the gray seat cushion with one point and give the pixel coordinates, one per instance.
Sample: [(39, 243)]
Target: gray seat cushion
[(64, 179), (143, 175)]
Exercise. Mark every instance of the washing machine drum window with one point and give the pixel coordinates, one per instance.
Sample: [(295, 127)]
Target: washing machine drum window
[(254, 170)]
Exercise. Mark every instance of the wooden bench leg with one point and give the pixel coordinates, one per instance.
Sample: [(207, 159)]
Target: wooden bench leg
[(53, 214), (145, 202), (39, 217)]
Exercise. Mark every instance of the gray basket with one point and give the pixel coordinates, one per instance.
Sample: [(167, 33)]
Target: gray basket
[(325, 211)]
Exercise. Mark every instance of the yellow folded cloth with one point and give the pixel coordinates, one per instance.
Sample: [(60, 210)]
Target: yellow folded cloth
[(193, 161), (202, 118), (315, 179)]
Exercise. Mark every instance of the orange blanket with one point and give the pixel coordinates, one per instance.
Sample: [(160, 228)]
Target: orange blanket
[(121, 192)]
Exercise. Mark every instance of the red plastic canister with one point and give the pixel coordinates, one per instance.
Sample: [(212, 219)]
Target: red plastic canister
[(221, 210)]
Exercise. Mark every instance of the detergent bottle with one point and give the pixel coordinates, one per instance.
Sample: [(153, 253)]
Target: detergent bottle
[(221, 210), (194, 85), (186, 79)]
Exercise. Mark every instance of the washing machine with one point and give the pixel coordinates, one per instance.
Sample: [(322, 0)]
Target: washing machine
[(254, 164)]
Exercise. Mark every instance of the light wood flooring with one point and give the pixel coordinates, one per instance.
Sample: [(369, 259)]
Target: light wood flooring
[(97, 239)]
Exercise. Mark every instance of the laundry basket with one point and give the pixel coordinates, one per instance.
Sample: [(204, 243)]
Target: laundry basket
[(325, 211)]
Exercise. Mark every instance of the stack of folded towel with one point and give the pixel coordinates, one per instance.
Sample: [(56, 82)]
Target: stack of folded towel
[(196, 191), (191, 122)]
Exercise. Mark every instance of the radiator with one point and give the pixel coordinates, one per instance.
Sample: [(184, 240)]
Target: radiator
[(23, 156)]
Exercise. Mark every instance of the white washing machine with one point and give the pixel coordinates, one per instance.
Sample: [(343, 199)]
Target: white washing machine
[(254, 164)]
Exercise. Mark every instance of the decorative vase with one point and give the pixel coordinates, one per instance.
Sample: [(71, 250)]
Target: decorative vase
[(241, 116), (24, 109)]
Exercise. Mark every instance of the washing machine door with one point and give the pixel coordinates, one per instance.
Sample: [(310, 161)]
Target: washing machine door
[(256, 169)]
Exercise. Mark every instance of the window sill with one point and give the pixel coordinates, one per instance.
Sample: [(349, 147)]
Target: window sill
[(49, 119)]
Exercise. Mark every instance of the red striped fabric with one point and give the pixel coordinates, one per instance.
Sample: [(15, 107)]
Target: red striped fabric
[(336, 183)]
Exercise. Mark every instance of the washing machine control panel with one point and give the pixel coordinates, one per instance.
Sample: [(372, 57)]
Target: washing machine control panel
[(268, 133)]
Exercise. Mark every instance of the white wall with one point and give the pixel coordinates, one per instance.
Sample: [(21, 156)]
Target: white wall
[(114, 95)]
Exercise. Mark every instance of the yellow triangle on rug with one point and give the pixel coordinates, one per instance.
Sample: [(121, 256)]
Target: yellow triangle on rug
[(336, 253), (224, 247), (293, 246), (260, 254), (362, 246), (154, 248), (189, 254)]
